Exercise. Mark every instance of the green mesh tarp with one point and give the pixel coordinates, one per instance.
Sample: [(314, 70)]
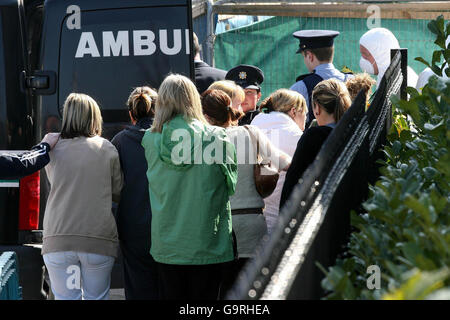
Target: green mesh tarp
[(270, 45)]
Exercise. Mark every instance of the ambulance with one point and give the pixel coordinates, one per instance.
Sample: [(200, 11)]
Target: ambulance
[(48, 49)]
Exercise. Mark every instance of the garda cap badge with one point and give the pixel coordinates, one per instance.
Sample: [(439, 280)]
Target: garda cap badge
[(242, 75)]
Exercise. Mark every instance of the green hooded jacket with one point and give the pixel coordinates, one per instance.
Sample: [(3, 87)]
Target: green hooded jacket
[(192, 171)]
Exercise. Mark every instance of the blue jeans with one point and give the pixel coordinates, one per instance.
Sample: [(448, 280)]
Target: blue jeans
[(75, 275)]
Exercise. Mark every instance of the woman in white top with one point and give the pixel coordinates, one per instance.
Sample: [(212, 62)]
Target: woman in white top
[(246, 204), (283, 123)]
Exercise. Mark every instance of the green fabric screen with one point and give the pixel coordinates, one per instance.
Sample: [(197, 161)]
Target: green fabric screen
[(270, 45)]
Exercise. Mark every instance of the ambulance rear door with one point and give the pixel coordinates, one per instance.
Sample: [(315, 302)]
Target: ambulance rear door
[(106, 48)]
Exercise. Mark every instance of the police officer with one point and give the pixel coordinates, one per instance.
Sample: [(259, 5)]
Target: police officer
[(250, 79), (317, 49)]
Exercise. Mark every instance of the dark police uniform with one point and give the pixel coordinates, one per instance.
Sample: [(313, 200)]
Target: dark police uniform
[(205, 75), (248, 77), (313, 39)]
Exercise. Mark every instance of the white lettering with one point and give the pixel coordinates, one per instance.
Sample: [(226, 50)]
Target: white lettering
[(87, 45), (74, 20), (74, 280), (213, 152), (184, 147), (163, 42), (196, 310), (143, 41), (374, 281), (187, 34), (115, 45), (245, 309), (374, 20)]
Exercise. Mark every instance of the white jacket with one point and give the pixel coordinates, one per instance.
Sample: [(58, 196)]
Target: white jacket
[(284, 133)]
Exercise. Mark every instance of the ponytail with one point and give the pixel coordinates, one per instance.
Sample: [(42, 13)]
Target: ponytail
[(141, 103), (235, 114), (217, 107), (333, 97), (283, 100), (267, 105)]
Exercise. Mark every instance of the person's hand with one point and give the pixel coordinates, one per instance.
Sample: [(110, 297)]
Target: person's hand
[(51, 138)]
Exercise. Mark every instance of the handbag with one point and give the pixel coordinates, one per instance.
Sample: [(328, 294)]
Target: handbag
[(265, 176)]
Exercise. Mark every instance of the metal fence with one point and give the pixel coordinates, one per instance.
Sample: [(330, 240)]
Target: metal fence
[(314, 224), (203, 24)]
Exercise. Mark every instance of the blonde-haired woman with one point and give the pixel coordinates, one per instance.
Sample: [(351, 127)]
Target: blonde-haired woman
[(80, 234), (189, 193), (234, 91), (330, 100), (134, 214), (283, 122)]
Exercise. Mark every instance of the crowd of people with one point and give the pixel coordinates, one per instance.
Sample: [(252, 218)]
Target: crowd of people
[(190, 212)]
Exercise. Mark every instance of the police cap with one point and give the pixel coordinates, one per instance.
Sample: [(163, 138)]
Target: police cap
[(247, 76), (312, 39)]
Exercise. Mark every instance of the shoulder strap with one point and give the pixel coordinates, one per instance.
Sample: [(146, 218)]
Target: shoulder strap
[(303, 76), (310, 82), (252, 136)]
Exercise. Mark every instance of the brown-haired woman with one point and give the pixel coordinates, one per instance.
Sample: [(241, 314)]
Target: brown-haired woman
[(134, 213), (330, 99), (247, 205), (234, 91)]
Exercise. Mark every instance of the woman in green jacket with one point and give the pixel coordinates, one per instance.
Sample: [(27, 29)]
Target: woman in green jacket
[(192, 172)]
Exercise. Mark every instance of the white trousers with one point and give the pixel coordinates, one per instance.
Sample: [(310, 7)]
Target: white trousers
[(76, 275)]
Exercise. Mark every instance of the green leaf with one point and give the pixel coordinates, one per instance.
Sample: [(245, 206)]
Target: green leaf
[(405, 136), (431, 127), (424, 263), (419, 285), (436, 57), (412, 92), (411, 251), (446, 54), (396, 147), (437, 70), (420, 59), (415, 205), (433, 26), (430, 173)]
